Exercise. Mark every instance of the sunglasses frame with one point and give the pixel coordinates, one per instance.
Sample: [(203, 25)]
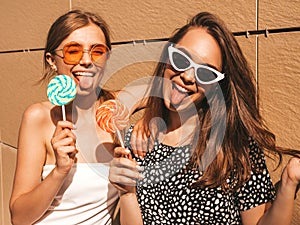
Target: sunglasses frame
[(195, 66), (89, 51)]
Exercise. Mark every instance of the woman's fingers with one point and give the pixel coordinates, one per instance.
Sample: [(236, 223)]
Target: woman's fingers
[(139, 141), (64, 145), (66, 141), (120, 161), (151, 141), (64, 131), (124, 176), (61, 125), (121, 152), (141, 144), (65, 158), (66, 150), (143, 137), (124, 171), (293, 170), (133, 142)]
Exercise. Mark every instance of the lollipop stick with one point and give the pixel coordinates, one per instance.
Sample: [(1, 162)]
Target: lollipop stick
[(63, 112), (121, 141), (118, 134), (120, 138)]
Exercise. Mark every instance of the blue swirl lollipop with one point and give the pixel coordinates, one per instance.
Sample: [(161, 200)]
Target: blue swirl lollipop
[(61, 90)]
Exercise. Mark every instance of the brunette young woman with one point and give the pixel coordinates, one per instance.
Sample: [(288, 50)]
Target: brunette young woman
[(207, 165)]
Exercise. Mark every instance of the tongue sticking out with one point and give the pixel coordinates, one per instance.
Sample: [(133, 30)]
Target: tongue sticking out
[(177, 96), (85, 82)]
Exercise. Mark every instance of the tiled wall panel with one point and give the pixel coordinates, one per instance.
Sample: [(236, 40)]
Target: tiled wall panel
[(279, 73), (131, 20), (279, 14), (279, 81), (20, 73), (25, 24)]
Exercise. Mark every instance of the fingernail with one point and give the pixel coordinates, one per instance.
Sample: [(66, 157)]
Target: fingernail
[(141, 157), (140, 168), (136, 155), (141, 176), (74, 126), (127, 150)]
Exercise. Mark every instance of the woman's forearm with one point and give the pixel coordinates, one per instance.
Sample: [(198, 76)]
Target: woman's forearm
[(29, 207), (281, 211), (130, 213)]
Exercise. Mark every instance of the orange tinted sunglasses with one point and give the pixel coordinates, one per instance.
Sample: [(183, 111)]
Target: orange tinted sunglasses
[(73, 52)]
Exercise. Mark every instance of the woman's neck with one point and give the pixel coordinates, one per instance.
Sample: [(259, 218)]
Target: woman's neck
[(82, 106), (173, 121), (180, 129), (176, 120), (85, 102)]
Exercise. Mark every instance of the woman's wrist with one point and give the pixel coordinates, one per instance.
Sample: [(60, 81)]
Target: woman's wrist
[(288, 186), (126, 193), (58, 173)]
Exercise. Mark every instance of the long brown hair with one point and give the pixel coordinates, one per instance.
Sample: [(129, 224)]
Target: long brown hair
[(235, 109)]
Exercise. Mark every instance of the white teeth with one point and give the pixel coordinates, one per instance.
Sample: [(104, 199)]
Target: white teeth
[(87, 74), (181, 89)]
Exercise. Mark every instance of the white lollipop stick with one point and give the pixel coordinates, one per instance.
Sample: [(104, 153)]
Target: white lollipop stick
[(63, 112), (119, 136)]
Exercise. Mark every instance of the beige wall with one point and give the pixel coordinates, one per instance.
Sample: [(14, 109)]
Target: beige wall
[(275, 58)]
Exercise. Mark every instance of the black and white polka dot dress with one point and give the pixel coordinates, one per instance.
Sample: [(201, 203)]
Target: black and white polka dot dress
[(165, 194)]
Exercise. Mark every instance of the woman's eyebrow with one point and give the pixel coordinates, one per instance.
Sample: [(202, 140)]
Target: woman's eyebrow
[(185, 51), (209, 65)]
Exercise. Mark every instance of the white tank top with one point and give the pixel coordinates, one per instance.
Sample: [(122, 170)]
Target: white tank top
[(86, 197)]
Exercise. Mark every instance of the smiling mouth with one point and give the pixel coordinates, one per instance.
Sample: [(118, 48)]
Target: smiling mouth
[(178, 94), (182, 89), (84, 80), (79, 75), (85, 74)]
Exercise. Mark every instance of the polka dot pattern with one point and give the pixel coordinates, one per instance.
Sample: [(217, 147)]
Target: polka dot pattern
[(165, 194)]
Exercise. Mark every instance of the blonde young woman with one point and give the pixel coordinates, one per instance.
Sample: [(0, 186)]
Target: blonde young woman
[(62, 166)]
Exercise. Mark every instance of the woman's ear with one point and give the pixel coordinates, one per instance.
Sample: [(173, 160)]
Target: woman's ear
[(51, 61)]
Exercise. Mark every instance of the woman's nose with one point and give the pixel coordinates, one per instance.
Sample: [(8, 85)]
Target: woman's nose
[(86, 58), (188, 76)]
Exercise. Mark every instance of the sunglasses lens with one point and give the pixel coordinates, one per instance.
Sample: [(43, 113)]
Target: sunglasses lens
[(98, 52), (180, 61), (73, 53), (205, 75)]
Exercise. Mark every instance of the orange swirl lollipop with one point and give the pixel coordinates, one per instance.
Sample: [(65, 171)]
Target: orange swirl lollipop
[(112, 116)]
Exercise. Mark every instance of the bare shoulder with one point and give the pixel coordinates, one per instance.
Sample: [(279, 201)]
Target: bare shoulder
[(37, 113), (38, 110), (36, 130)]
